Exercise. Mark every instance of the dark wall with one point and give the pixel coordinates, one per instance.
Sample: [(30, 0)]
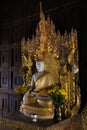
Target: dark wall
[(21, 17), (83, 53)]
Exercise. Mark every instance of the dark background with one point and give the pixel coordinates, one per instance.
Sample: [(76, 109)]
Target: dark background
[(19, 18)]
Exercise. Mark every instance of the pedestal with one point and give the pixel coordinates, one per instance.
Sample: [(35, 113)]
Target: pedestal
[(19, 121)]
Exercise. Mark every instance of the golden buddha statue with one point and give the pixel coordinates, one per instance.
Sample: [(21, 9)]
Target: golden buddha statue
[(36, 100)]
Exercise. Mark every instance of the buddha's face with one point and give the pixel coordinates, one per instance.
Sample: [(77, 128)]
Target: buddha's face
[(40, 66)]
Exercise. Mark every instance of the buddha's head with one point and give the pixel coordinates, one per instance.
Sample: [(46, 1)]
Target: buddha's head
[(40, 66)]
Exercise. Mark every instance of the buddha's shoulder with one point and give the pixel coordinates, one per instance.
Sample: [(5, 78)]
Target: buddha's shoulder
[(41, 73), (36, 74)]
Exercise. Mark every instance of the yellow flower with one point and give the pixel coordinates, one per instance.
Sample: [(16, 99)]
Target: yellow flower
[(57, 94), (20, 89), (62, 91)]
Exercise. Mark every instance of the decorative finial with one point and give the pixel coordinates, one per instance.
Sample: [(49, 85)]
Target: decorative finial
[(40, 7)]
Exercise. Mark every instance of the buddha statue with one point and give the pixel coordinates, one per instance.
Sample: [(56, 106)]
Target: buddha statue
[(36, 100)]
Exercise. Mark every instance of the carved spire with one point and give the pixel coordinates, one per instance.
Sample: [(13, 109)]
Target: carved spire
[(41, 12), (40, 7)]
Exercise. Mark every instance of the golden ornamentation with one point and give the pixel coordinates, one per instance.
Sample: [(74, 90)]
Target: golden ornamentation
[(60, 53)]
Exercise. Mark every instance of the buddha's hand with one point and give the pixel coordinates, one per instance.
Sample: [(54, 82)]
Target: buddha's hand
[(34, 94)]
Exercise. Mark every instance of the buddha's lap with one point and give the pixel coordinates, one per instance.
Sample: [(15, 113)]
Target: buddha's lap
[(38, 110), (40, 100)]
